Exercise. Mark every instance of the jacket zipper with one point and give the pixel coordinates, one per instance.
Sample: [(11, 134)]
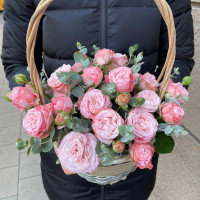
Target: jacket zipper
[(103, 22)]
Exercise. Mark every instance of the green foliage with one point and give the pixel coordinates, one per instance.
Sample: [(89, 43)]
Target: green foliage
[(37, 147), (132, 49), (136, 102), (95, 50), (126, 133), (20, 144), (167, 129), (105, 154), (137, 67), (20, 79), (109, 90), (81, 125), (78, 91), (179, 131), (164, 144), (187, 80), (46, 144), (71, 78)]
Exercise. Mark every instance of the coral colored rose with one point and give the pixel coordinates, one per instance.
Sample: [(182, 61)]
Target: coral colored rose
[(142, 155), (37, 121), (92, 76), (118, 146), (54, 83), (103, 56), (77, 152), (144, 124), (175, 89), (123, 77), (23, 97), (123, 99), (120, 60), (77, 67), (152, 100), (148, 82), (172, 113), (105, 125), (93, 102), (62, 103)]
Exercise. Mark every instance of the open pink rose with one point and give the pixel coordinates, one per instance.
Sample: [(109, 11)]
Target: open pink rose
[(175, 89), (93, 102), (105, 125), (37, 121), (24, 97), (103, 56), (62, 103), (142, 155), (172, 113), (92, 76), (148, 82), (77, 152), (54, 83), (120, 59), (152, 100), (77, 67), (144, 124), (123, 77)]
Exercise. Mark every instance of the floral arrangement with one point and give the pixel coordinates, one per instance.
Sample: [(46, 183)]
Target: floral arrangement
[(100, 108)]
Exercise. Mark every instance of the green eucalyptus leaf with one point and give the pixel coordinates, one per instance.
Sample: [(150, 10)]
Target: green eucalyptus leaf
[(122, 130), (29, 150), (78, 91), (52, 133), (107, 160), (135, 102), (164, 144), (98, 148), (78, 45), (84, 50), (20, 144), (179, 131), (85, 63), (46, 147), (139, 57), (132, 49), (58, 162), (79, 57), (36, 148)]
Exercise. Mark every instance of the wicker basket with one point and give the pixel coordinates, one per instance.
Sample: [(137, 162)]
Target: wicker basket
[(123, 166)]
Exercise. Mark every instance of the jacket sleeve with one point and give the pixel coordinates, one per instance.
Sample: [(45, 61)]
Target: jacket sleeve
[(17, 15), (184, 38)]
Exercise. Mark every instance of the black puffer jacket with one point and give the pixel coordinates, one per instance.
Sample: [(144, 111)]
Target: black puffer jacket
[(113, 24)]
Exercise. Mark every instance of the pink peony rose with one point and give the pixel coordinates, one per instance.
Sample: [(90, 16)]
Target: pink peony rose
[(142, 155), (93, 102), (144, 124), (92, 76), (172, 113), (175, 89), (105, 125), (103, 56), (148, 82), (77, 152), (120, 60), (54, 83), (37, 121), (123, 77), (77, 67), (62, 103), (24, 97), (78, 103), (152, 100)]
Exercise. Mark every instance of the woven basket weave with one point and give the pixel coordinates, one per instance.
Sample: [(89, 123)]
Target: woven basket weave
[(125, 164)]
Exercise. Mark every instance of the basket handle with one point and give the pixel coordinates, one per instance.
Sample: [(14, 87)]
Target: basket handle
[(33, 29)]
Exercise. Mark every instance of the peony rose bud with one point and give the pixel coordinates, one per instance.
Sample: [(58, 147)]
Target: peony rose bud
[(20, 79), (172, 113), (123, 99), (62, 118), (118, 146), (7, 97), (103, 56)]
